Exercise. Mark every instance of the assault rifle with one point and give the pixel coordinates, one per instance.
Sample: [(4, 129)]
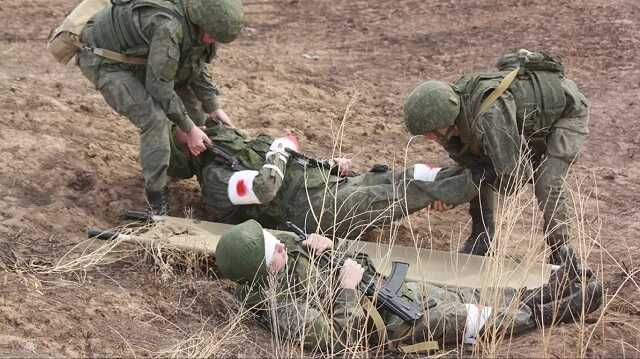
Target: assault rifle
[(388, 296), (304, 160), (223, 156)]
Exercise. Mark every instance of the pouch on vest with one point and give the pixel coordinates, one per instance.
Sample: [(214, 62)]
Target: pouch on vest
[(538, 91), (63, 41)]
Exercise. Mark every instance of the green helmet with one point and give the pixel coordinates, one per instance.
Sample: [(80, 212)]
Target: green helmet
[(221, 19), (240, 253), (431, 106)]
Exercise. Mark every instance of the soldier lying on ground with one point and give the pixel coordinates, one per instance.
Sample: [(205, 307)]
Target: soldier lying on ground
[(508, 133), (261, 178), (159, 73), (298, 303)]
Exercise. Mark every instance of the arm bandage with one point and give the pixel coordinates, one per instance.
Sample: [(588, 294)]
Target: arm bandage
[(240, 190)]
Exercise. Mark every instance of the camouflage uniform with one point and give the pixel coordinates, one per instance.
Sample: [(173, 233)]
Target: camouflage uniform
[(533, 130), (553, 133), (346, 205), (174, 85), (298, 303)]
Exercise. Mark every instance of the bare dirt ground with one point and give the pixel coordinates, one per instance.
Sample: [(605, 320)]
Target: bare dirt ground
[(68, 162)]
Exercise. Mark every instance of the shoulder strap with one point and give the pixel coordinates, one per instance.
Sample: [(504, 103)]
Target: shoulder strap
[(429, 345), (107, 54), (498, 91), (372, 312)]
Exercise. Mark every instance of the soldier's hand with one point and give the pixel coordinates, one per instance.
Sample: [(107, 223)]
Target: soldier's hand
[(196, 139), (221, 116), (181, 136), (440, 206), (344, 164), (317, 243), (350, 274)]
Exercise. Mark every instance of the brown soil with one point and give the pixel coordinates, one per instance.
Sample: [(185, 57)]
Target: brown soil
[(69, 162)]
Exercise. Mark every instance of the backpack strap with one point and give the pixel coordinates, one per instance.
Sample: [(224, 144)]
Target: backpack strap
[(105, 53), (499, 91)]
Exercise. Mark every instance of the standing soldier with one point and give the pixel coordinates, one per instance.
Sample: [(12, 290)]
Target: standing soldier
[(526, 121), (148, 59)]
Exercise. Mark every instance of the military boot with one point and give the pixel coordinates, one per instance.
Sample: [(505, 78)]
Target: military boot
[(568, 305), (563, 255), (158, 202), (559, 286), (482, 230)]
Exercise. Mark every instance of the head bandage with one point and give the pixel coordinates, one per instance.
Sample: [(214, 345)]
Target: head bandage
[(270, 242)]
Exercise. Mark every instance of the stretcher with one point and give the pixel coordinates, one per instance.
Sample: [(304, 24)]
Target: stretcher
[(428, 265)]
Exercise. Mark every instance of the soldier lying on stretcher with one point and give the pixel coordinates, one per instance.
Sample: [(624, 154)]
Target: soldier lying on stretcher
[(287, 286), (265, 179)]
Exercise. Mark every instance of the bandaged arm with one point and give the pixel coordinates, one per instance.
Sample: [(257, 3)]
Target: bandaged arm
[(259, 187)]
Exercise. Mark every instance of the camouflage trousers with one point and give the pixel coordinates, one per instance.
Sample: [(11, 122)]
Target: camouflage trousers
[(353, 205), (447, 311), (123, 88)]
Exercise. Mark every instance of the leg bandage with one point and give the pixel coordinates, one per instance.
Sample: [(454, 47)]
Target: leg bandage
[(476, 318), (422, 172)]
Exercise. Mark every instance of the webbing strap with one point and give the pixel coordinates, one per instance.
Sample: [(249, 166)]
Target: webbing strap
[(502, 87), (378, 322), (116, 56), (109, 54), (430, 345), (381, 329)]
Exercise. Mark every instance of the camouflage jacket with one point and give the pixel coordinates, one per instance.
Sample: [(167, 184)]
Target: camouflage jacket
[(306, 185), (176, 58), (541, 114), (296, 307), (305, 304), (279, 197)]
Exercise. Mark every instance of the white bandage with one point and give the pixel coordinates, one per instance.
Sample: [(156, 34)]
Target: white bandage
[(476, 318), (276, 169), (422, 172), (281, 156), (281, 144), (240, 190), (270, 242)]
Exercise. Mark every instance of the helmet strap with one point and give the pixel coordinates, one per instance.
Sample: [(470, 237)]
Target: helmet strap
[(447, 135)]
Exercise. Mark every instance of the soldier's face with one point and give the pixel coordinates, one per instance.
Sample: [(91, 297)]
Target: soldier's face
[(207, 39), (441, 135), (279, 259)]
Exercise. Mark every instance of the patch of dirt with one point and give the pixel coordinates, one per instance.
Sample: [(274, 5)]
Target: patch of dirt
[(69, 162)]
